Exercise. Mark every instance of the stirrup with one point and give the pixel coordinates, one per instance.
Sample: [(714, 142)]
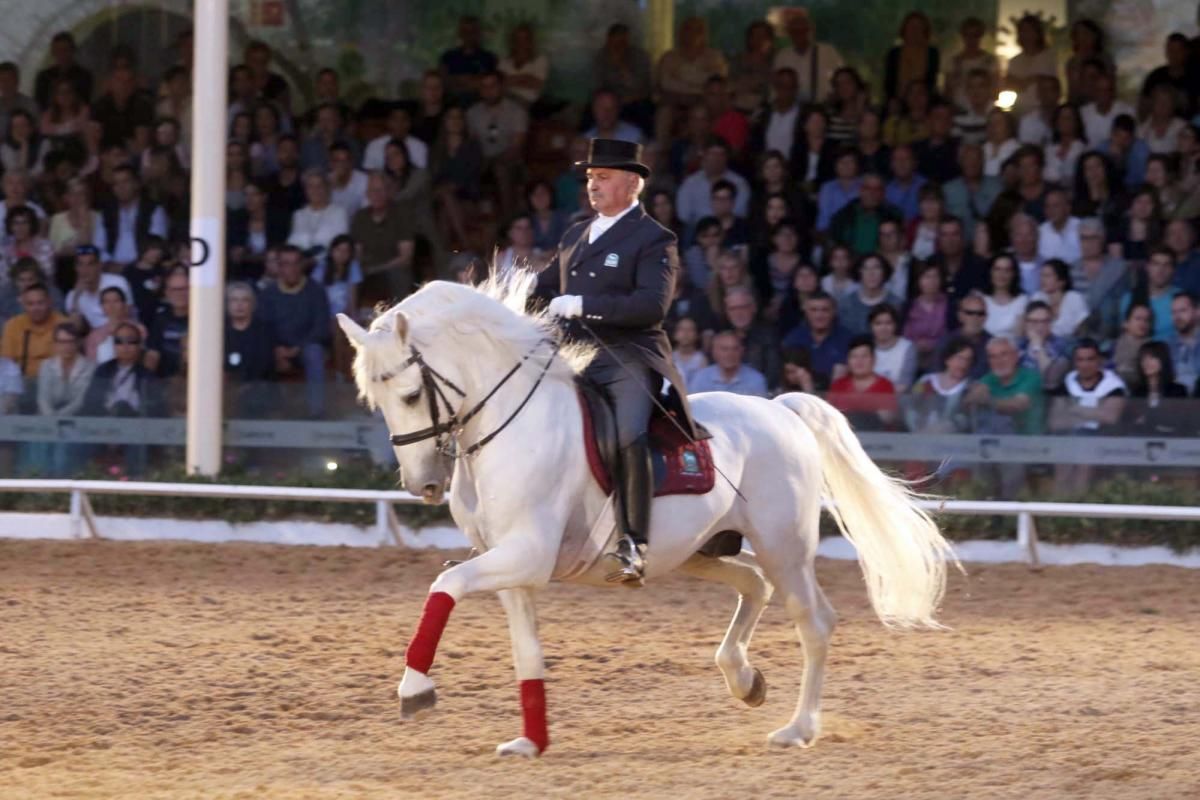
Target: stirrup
[(631, 557), (450, 562)]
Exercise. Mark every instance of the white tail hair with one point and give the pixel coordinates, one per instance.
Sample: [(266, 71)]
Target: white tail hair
[(902, 554)]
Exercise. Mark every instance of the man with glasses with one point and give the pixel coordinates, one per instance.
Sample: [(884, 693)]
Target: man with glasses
[(1103, 278), (972, 317), (1007, 400), (1040, 349)]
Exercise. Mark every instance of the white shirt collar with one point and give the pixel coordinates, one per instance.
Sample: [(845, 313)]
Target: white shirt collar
[(602, 223), (610, 221)]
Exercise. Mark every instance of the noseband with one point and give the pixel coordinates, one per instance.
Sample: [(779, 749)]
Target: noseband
[(433, 382)]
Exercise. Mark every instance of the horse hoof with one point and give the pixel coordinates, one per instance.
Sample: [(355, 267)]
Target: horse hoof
[(418, 704), (519, 747), (758, 690), (790, 737)]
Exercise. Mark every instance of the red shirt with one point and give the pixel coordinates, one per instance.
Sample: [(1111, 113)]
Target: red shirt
[(879, 396), (733, 127)]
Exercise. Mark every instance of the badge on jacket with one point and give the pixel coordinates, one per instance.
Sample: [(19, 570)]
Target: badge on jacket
[(611, 260)]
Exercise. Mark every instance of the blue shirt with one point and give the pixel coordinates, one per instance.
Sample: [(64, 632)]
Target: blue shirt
[(1187, 274), (1164, 328), (832, 198), (747, 381), (905, 196), (1135, 162), (824, 356)]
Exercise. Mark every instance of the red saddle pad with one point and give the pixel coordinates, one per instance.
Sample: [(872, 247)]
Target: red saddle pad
[(680, 466)]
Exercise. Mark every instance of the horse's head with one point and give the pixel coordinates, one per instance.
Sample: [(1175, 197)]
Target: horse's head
[(392, 376)]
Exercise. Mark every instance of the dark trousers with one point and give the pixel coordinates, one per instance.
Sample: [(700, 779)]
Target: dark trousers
[(632, 386)]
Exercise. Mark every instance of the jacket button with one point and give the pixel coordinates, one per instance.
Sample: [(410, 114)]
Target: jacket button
[(572, 273), (591, 274)]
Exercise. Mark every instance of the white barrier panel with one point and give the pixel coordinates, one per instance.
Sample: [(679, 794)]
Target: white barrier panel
[(83, 519), (371, 434)]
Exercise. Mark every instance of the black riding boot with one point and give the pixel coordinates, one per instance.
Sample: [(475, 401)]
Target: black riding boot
[(633, 517)]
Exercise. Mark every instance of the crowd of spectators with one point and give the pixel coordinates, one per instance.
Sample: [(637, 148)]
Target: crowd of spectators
[(930, 259)]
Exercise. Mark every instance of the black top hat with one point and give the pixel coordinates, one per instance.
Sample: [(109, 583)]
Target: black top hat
[(615, 154)]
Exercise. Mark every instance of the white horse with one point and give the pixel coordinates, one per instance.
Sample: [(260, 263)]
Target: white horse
[(474, 355)]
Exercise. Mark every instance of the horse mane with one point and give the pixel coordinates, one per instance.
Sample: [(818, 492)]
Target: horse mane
[(496, 311)]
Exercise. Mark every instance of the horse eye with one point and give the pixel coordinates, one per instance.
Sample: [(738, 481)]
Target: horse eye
[(411, 399)]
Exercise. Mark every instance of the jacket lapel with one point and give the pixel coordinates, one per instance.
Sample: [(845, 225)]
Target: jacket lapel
[(607, 238)]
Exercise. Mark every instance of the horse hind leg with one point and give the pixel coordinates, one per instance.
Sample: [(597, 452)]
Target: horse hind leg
[(754, 592), (815, 619)]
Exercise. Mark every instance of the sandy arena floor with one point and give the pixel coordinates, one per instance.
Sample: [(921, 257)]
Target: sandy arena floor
[(180, 670)]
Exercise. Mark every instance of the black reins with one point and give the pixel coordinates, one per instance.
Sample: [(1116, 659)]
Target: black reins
[(432, 382)]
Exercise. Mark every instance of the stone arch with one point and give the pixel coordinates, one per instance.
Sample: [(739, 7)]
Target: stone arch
[(82, 17)]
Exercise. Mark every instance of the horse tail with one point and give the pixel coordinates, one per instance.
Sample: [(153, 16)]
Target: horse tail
[(902, 554)]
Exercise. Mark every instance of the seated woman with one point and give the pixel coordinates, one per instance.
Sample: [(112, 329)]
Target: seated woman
[(62, 382), (866, 398), (1156, 409), (521, 252), (686, 348), (1067, 305), (1139, 323), (99, 344), (1004, 300), (797, 372), (895, 356), (548, 222), (805, 281), (936, 403), (854, 309), (341, 275), (926, 322), (839, 272), (773, 270)]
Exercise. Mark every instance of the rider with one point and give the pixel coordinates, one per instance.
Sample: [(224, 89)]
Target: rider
[(616, 272)]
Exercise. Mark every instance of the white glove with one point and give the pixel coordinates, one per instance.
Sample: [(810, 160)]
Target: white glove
[(567, 306)]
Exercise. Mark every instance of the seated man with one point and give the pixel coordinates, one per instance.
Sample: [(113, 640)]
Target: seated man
[(1007, 400), (856, 225), (28, 338), (728, 373), (825, 340), (760, 346), (296, 312), (83, 302), (1090, 403)]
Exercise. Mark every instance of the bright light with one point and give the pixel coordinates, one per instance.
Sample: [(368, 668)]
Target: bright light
[(331, 466), (1007, 99)]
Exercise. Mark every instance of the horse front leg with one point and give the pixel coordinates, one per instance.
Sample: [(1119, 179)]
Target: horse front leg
[(527, 658), (515, 563)]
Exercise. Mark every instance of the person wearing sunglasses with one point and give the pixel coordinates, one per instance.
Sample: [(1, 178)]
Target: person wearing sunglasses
[(971, 321), (122, 387)]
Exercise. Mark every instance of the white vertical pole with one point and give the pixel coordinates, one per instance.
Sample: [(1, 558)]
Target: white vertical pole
[(206, 325)]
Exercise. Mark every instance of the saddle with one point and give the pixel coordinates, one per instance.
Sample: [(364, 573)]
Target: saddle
[(681, 466)]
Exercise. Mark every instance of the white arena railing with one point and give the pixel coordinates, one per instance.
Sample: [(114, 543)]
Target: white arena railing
[(83, 519)]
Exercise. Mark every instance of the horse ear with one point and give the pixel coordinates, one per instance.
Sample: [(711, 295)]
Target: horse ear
[(401, 326), (354, 332)]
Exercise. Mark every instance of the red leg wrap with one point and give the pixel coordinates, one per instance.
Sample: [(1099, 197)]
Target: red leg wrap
[(423, 645), (533, 710)]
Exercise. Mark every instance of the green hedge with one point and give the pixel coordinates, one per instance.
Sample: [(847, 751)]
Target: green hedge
[(1178, 536)]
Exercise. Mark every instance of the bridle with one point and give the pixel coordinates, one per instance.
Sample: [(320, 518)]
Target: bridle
[(446, 432)]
